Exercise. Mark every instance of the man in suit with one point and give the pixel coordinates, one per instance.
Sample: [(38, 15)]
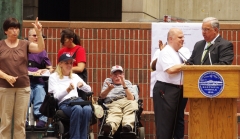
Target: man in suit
[(213, 50)]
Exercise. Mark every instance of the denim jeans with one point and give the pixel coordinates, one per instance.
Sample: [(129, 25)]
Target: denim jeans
[(36, 98), (79, 118)]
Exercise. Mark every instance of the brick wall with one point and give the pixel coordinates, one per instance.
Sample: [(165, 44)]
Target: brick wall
[(125, 44)]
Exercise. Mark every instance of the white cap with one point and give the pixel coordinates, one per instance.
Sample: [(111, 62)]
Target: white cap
[(115, 68)]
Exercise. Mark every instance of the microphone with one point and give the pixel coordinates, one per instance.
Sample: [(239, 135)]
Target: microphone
[(188, 62), (185, 61), (182, 55)]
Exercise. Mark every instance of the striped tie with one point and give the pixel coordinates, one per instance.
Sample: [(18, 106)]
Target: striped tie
[(205, 51)]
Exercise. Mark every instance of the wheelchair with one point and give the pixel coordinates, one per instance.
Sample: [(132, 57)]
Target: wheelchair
[(138, 130), (31, 130), (59, 123)]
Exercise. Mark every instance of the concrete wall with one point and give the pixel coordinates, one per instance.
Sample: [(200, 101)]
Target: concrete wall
[(30, 10), (140, 10), (194, 10), (199, 9)]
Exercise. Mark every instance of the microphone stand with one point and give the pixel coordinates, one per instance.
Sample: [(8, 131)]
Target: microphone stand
[(209, 55), (182, 55)]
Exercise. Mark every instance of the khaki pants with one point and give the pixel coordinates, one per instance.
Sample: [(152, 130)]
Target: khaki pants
[(121, 110), (13, 102)]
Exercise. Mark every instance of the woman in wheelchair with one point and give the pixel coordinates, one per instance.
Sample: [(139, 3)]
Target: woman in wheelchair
[(63, 84)]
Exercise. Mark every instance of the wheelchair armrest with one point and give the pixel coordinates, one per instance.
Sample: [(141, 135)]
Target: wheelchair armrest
[(104, 107), (54, 101), (140, 102), (83, 103), (88, 94), (100, 101)]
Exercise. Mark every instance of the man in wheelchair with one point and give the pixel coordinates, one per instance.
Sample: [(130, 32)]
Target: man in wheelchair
[(63, 84), (119, 97)]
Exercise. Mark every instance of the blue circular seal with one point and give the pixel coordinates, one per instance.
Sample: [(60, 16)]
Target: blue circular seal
[(211, 84)]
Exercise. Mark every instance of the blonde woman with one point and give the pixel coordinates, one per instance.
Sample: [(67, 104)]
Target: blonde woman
[(63, 84)]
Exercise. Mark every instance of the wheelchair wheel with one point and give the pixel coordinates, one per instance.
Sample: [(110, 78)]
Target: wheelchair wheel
[(60, 127), (91, 135), (141, 133)]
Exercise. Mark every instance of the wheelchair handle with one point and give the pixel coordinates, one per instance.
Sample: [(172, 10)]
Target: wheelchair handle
[(89, 94)]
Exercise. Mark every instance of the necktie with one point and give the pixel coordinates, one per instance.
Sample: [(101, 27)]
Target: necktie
[(205, 50)]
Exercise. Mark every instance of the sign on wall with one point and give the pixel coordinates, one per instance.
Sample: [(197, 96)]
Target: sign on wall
[(192, 33)]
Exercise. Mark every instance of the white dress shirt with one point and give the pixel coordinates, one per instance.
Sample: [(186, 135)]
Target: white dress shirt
[(167, 58)]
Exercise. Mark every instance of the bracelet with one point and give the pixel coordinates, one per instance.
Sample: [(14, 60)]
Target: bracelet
[(125, 87)]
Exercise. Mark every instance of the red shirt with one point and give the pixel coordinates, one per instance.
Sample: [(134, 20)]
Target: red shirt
[(79, 57)]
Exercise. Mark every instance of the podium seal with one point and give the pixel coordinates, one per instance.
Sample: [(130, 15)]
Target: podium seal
[(211, 84)]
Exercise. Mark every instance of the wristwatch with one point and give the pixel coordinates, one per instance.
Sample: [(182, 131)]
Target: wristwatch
[(125, 87)]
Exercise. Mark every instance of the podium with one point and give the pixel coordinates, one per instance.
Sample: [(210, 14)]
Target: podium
[(212, 118)]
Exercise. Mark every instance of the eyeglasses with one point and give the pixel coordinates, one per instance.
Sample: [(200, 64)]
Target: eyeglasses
[(206, 29), (34, 35)]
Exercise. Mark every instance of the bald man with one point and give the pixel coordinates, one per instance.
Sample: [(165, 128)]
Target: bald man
[(168, 90)]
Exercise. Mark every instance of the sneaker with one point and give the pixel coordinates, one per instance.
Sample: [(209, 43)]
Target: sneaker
[(40, 124), (127, 128), (107, 129)]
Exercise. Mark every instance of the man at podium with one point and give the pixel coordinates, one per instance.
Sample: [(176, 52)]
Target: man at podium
[(168, 91), (213, 50)]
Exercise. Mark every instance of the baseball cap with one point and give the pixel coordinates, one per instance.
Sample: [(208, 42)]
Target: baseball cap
[(64, 57), (115, 68)]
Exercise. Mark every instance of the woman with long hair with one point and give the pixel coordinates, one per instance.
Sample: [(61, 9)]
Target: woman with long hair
[(71, 45), (64, 84)]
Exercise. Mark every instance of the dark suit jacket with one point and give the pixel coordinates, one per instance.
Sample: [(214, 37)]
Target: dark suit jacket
[(221, 53)]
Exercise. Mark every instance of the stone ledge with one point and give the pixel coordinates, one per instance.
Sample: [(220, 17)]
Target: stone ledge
[(147, 112), (111, 25), (152, 112), (186, 113)]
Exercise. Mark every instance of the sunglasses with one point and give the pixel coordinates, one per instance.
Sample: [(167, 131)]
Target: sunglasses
[(34, 35)]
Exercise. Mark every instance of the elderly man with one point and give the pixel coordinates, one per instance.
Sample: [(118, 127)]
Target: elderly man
[(118, 95), (213, 50), (168, 91), (38, 64)]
